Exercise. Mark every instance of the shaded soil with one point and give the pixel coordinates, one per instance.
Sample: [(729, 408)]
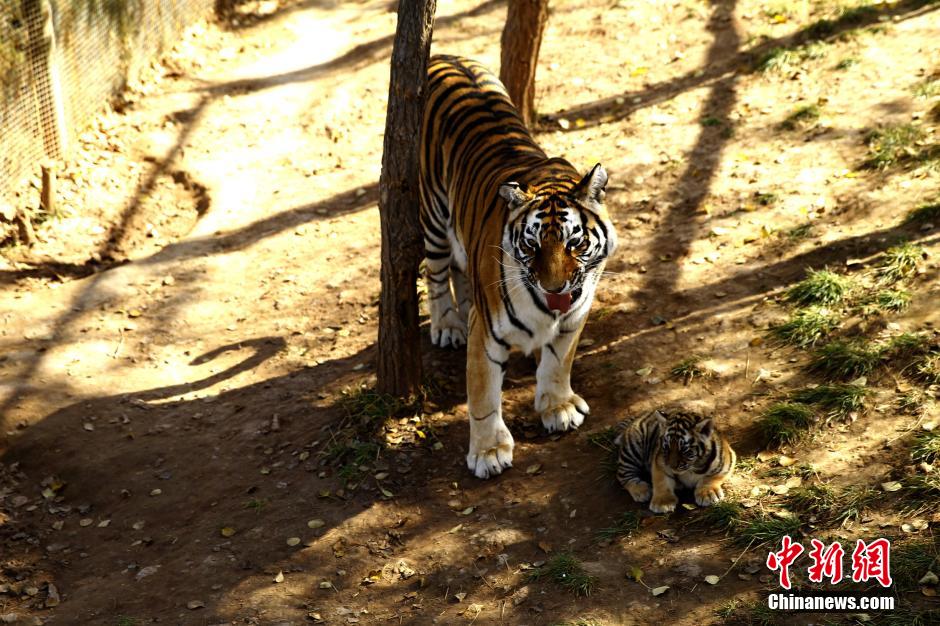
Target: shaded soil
[(170, 393)]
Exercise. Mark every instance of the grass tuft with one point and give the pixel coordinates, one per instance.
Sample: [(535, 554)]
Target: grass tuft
[(907, 346), (764, 528), (785, 423), (626, 525), (892, 145), (899, 262), (926, 446), (806, 327), (820, 287), (846, 63), (565, 570), (726, 515), (688, 369), (829, 505), (800, 117), (927, 368), (910, 560), (929, 212), (845, 359), (915, 402), (894, 300), (838, 399)]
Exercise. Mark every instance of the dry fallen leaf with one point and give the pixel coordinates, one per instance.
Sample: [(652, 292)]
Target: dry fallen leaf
[(316, 523), (293, 541), (658, 591), (891, 486), (711, 579), (279, 578), (227, 531)]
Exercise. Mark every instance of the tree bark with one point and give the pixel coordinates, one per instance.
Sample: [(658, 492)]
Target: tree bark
[(522, 38), (399, 359)]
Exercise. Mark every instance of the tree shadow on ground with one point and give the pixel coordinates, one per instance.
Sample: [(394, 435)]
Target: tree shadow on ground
[(724, 64)]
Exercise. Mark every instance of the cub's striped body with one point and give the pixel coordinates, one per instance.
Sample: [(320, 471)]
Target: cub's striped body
[(670, 448), (515, 243)]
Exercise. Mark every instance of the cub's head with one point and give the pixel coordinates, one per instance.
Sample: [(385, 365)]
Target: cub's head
[(686, 439), (560, 235)]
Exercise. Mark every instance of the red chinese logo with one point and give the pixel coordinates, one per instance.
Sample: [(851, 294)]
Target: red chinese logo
[(783, 559), (827, 563), (870, 560)]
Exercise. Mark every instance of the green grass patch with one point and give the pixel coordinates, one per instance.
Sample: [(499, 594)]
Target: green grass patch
[(801, 116), (256, 504), (806, 471), (846, 63), (926, 446), (927, 88), (911, 559), (820, 287), (925, 213), (892, 300), (915, 402), (766, 528), (921, 493), (784, 60), (785, 423), (800, 232), (565, 570), (806, 327), (907, 346), (845, 359), (711, 121), (829, 505), (747, 613), (892, 145), (624, 526), (899, 262), (927, 368), (838, 399), (688, 369), (725, 515)]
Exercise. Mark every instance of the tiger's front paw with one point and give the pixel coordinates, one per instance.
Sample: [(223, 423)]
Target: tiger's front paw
[(490, 451), (707, 495), (449, 331), (664, 503), (561, 414), (640, 491)]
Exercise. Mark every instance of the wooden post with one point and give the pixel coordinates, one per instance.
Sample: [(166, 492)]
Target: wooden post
[(47, 192), (399, 358)]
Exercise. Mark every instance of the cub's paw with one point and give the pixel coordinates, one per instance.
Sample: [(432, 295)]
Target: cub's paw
[(664, 504), (449, 331), (640, 491), (559, 415), (707, 495), (490, 451)]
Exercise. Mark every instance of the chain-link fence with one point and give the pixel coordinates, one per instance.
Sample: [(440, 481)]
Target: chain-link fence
[(62, 60)]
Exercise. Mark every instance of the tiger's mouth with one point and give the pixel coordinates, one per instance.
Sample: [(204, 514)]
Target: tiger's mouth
[(562, 302)]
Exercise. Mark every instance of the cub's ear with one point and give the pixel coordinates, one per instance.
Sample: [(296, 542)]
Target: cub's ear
[(705, 428), (593, 185), (661, 418), (513, 193)]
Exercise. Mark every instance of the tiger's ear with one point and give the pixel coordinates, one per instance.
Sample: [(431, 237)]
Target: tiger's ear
[(514, 194), (593, 185), (705, 428), (661, 418)]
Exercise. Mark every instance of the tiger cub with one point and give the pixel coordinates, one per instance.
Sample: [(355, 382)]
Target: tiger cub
[(515, 243), (672, 448)]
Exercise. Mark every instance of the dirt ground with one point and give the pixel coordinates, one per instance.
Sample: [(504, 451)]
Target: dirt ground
[(179, 348)]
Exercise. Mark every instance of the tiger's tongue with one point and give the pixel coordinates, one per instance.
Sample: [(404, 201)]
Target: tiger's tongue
[(559, 301)]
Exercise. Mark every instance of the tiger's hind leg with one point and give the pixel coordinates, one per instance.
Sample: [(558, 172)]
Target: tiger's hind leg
[(448, 326)]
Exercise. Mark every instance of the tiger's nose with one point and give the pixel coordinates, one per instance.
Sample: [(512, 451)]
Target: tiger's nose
[(550, 266)]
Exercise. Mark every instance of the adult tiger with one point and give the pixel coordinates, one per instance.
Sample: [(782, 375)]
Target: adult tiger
[(515, 244)]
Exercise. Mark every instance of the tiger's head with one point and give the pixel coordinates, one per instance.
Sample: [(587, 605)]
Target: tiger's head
[(686, 440), (560, 236)]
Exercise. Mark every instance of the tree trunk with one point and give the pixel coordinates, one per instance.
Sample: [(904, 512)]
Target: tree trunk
[(522, 38), (399, 366)]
